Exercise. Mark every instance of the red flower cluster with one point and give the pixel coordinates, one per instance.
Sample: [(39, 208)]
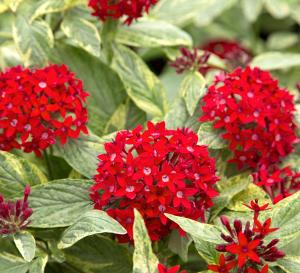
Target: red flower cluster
[(255, 114), (156, 171), (14, 215), (278, 183), (191, 60), (245, 247), (38, 106), (231, 51), (115, 9), (175, 269)]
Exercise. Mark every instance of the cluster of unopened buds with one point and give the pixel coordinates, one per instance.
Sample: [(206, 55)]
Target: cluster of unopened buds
[(244, 249), (231, 51), (191, 60), (39, 106), (115, 9), (14, 216), (156, 171)]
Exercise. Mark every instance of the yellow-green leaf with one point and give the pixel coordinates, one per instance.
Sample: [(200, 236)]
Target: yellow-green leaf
[(25, 243), (142, 86), (49, 6), (144, 260), (82, 32), (276, 60), (210, 136), (153, 33), (244, 197), (16, 173), (90, 223), (59, 203), (192, 89), (290, 264), (34, 40)]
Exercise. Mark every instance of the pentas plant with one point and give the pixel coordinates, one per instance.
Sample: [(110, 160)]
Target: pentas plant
[(279, 183), (14, 216), (244, 250), (115, 9), (39, 106), (232, 52), (156, 171), (254, 114), (175, 269)]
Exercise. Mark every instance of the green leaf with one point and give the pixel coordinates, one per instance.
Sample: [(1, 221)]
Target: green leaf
[(142, 86), (177, 115), (182, 12), (13, 4), (210, 136), (39, 264), (244, 197), (34, 40), (207, 251), (211, 10), (81, 153), (49, 6), (144, 260), (25, 243), (192, 89), (282, 40), (202, 231), (99, 254), (290, 264), (12, 264), (179, 244), (16, 173), (228, 189), (146, 33), (276, 60), (90, 223), (278, 8), (107, 92), (252, 9), (59, 203), (284, 215), (82, 32)]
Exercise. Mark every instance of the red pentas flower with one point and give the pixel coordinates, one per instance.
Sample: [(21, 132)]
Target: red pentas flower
[(255, 115), (115, 9), (279, 183), (232, 51), (39, 106), (223, 266), (175, 269), (244, 246), (156, 171), (14, 216)]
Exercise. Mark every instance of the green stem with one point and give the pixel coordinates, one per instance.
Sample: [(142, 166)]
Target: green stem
[(49, 165), (108, 33)]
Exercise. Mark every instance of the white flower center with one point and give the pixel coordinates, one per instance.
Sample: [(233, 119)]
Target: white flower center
[(42, 85), (147, 171), (179, 194)]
